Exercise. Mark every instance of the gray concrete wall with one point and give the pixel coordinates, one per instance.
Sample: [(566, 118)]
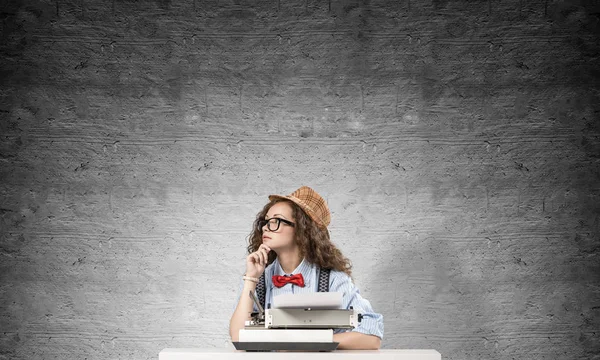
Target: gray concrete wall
[(457, 143)]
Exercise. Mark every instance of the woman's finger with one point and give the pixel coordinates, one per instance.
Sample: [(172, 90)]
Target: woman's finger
[(263, 255), (259, 257), (256, 258)]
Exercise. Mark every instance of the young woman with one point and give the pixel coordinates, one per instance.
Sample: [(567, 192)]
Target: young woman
[(290, 240)]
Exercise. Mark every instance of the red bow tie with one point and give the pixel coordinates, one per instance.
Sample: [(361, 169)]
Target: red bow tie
[(296, 279)]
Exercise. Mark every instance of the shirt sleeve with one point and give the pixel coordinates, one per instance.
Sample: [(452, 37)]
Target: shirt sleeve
[(372, 322)]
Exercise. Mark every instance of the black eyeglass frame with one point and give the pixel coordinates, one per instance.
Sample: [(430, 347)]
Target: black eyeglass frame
[(262, 223)]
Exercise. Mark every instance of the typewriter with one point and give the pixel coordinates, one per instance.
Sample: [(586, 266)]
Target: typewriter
[(301, 323)]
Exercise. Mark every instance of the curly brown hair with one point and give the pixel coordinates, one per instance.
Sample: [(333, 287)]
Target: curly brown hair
[(314, 242)]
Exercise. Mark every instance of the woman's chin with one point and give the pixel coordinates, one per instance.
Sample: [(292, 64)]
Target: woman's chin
[(270, 243)]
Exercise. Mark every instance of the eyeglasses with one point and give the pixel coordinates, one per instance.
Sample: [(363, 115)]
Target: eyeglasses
[(273, 224)]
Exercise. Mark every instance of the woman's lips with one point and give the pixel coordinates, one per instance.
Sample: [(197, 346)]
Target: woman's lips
[(265, 238)]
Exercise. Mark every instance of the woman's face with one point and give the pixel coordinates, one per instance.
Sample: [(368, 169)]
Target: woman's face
[(282, 238)]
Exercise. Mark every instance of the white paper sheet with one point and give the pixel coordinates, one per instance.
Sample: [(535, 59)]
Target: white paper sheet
[(318, 300)]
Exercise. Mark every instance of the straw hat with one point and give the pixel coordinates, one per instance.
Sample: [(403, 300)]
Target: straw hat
[(311, 202)]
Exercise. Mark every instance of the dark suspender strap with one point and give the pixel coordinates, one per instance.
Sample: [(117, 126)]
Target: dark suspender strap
[(324, 280), (261, 290)]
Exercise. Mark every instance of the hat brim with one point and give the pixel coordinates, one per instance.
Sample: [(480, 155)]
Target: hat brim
[(303, 206)]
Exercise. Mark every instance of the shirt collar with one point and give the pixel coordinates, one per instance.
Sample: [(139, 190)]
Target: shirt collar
[(305, 268)]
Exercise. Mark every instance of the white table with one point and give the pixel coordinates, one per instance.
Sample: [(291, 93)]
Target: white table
[(230, 354)]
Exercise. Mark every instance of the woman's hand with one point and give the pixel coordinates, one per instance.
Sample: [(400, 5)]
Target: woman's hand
[(257, 261)]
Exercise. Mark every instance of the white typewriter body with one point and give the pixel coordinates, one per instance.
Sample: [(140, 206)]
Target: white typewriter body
[(298, 322)]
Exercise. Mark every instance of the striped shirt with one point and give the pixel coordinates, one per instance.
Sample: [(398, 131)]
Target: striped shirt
[(371, 323)]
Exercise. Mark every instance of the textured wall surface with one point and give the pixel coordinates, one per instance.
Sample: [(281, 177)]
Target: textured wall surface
[(457, 143)]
